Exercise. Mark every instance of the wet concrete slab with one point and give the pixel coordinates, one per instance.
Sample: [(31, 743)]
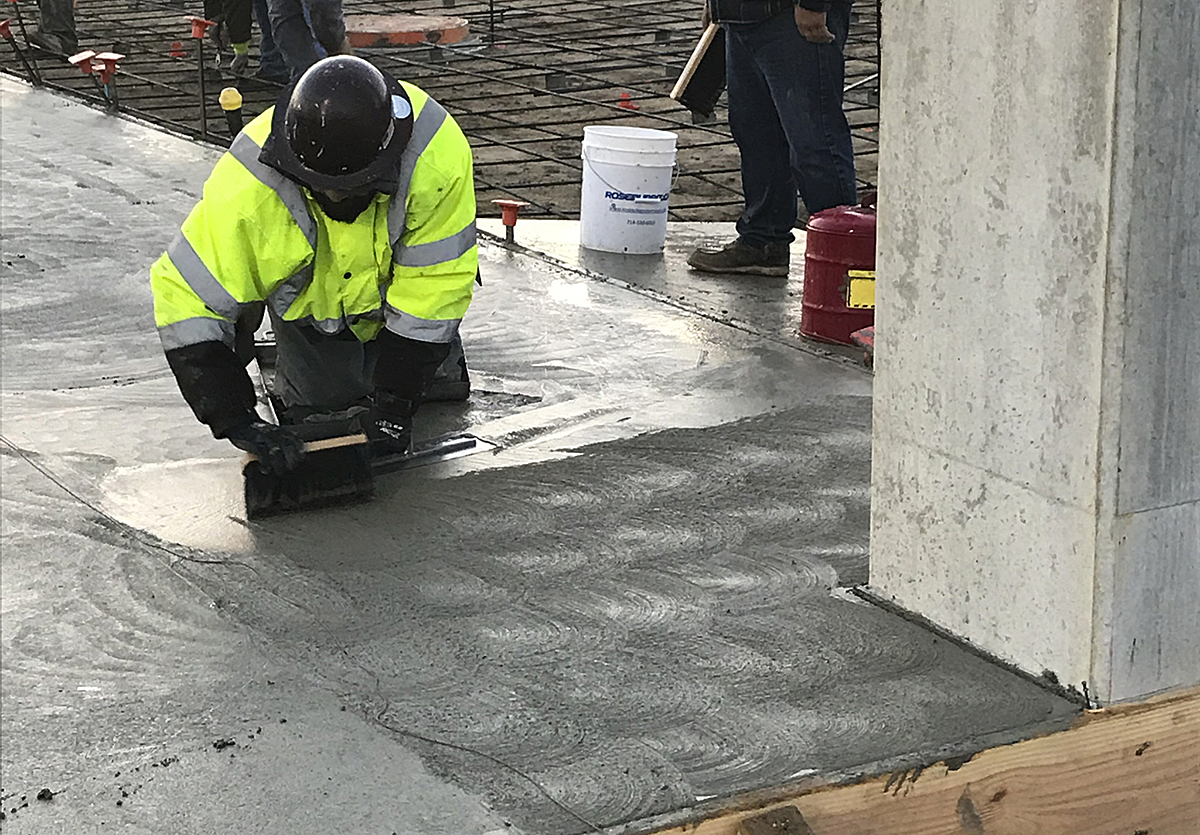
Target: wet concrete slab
[(767, 306), (636, 607)]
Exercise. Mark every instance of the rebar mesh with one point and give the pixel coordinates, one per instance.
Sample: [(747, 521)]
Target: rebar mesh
[(523, 85)]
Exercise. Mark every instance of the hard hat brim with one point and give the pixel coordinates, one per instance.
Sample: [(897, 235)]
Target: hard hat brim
[(382, 173)]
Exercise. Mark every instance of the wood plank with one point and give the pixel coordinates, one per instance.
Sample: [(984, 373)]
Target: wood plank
[(1128, 770)]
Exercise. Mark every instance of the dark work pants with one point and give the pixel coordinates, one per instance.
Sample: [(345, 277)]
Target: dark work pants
[(785, 111), (321, 373), (315, 373)]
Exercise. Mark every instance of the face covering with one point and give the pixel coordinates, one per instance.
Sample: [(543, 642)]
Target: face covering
[(346, 209)]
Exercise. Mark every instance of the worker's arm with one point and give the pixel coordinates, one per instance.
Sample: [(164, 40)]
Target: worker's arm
[(203, 284), (433, 276), (214, 383), (403, 372), (435, 265), (197, 321), (406, 367)]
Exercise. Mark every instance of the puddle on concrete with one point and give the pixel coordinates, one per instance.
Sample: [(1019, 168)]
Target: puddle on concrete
[(196, 503)]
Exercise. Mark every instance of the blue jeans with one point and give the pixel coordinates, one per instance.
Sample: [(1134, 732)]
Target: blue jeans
[(306, 31), (270, 59), (785, 111)]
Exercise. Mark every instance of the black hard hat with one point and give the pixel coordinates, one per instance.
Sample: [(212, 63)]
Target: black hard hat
[(341, 127)]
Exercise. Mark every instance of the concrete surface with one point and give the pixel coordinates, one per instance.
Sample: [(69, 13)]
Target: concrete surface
[(1036, 482), (766, 306), (633, 610)]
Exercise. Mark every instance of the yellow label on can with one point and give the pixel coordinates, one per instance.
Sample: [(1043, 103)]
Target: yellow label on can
[(860, 289)]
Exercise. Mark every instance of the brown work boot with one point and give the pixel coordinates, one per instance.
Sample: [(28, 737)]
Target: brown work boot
[(741, 257)]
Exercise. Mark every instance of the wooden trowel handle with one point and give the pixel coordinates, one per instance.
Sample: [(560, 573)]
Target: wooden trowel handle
[(334, 443), (324, 443)]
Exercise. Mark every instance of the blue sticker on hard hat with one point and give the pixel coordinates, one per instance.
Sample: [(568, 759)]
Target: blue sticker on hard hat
[(401, 109)]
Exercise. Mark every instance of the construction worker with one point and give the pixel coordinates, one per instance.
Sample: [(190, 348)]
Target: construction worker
[(784, 66), (347, 211)]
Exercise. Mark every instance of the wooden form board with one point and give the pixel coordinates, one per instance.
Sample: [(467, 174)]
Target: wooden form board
[(1129, 770)]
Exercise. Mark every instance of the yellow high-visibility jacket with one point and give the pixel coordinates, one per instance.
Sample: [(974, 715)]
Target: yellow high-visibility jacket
[(407, 263)]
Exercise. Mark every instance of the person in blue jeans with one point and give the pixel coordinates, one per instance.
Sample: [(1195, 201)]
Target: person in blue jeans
[(271, 66), (785, 72), (305, 31)]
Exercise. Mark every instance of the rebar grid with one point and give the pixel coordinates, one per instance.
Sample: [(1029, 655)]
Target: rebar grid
[(531, 75)]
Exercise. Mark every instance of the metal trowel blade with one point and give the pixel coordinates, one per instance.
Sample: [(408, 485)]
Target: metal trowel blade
[(433, 451)]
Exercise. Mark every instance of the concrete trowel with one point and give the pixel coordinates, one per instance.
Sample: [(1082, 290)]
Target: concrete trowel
[(337, 467)]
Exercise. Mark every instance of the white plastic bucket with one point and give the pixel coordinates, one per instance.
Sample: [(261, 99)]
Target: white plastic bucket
[(627, 175)]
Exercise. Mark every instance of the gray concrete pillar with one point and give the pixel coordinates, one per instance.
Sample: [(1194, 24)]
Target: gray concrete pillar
[(1036, 471)]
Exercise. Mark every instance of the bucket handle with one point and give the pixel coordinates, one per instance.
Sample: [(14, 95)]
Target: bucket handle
[(674, 180)]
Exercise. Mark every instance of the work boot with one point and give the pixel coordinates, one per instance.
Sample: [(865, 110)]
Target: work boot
[(741, 257), (451, 382)]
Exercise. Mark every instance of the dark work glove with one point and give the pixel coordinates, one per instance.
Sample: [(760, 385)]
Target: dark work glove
[(389, 424), (276, 448)]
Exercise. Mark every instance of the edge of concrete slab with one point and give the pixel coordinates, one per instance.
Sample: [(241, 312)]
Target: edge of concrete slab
[(1000, 786), (901, 769), (210, 141)]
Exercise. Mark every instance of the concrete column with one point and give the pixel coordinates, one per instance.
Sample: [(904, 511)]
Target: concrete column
[(1036, 471)]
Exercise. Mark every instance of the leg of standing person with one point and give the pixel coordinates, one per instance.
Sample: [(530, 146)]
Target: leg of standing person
[(328, 25), (292, 35), (767, 184), (56, 27), (806, 81), (214, 10), (271, 65), (765, 226), (322, 52)]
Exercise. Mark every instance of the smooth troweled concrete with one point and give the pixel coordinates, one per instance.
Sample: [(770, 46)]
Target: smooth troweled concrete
[(632, 610), (768, 306), (1037, 403)]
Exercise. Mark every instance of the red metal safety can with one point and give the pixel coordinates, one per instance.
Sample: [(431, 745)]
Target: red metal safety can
[(839, 274)]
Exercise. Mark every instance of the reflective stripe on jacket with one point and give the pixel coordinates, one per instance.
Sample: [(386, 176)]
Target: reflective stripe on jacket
[(408, 262)]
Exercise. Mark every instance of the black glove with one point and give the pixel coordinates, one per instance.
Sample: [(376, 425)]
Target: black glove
[(389, 424), (276, 448)]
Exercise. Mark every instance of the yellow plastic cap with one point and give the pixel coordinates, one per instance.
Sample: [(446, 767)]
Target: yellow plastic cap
[(231, 99)]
